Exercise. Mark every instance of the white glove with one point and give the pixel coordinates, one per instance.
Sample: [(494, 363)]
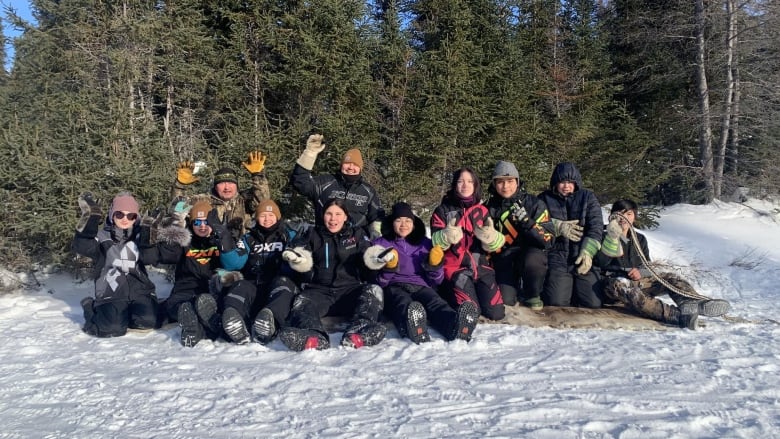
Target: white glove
[(314, 146), (377, 257), (299, 258)]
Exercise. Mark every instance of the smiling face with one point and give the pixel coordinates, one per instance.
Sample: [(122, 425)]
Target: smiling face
[(226, 190), (403, 226), (626, 220), (464, 187), (566, 187), (124, 219), (266, 219), (505, 186), (334, 218), (200, 227), (350, 169)]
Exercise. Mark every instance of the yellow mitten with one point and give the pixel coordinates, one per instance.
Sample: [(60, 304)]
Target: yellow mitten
[(185, 173)]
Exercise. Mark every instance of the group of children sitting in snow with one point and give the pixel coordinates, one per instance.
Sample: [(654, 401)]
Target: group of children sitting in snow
[(244, 273)]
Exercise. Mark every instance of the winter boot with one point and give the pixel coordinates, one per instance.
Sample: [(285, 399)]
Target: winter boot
[(675, 317), (191, 330), (363, 333), (206, 308), (297, 339), (264, 328), (234, 326), (535, 303), (466, 322), (417, 323), (707, 308)]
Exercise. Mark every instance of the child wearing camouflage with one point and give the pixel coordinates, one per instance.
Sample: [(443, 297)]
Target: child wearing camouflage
[(628, 280)]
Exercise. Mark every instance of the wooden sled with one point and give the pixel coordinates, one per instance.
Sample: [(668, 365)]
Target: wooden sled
[(612, 317)]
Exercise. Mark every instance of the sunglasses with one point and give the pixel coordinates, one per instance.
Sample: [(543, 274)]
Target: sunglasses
[(130, 216), (200, 222)]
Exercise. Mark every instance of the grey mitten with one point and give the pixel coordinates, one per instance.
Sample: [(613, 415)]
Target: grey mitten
[(91, 215)]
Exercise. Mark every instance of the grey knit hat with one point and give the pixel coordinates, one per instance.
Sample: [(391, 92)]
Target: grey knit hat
[(505, 169)]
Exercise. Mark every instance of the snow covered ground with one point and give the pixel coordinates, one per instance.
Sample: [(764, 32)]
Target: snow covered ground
[(718, 382)]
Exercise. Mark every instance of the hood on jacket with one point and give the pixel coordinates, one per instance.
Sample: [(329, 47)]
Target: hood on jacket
[(566, 171)]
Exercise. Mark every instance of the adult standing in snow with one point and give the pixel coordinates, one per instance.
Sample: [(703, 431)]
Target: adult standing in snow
[(576, 216), (331, 256), (360, 198), (234, 208), (462, 227), (411, 269), (200, 267), (124, 295), (267, 276), (525, 222), (629, 281)]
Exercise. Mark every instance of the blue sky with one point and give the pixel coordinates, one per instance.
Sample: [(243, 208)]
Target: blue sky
[(22, 8)]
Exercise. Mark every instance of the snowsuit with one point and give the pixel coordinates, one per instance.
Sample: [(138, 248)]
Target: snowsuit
[(268, 279), (564, 286), (124, 295), (236, 213), (524, 254), (362, 200), (336, 284), (413, 280), (198, 262), (467, 272), (641, 297)]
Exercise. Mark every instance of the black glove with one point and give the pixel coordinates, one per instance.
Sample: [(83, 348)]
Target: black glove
[(221, 232), (91, 215)]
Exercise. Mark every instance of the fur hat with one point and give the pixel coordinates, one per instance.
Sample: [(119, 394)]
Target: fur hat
[(124, 202), (268, 205), (353, 156), (225, 175), (200, 210), (505, 169)]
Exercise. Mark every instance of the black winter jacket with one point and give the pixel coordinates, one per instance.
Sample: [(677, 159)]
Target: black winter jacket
[(536, 232), (619, 267), (362, 200), (338, 257), (581, 205)]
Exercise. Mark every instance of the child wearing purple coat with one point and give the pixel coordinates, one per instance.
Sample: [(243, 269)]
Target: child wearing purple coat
[(410, 270)]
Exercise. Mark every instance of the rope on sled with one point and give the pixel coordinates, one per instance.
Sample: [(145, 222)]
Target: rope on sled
[(684, 293), (688, 294)]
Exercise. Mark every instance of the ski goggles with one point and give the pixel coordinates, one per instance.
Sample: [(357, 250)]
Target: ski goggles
[(200, 222), (131, 216)]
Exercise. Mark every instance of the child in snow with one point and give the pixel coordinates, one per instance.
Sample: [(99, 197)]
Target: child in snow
[(124, 295), (462, 227), (200, 267), (409, 276), (525, 222), (331, 256), (629, 281), (268, 278)]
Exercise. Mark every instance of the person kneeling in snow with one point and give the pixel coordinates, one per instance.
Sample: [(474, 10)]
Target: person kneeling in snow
[(411, 267), (124, 295), (332, 257), (628, 280)]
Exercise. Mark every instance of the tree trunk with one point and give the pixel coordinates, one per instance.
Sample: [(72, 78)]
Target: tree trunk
[(727, 116), (705, 129)]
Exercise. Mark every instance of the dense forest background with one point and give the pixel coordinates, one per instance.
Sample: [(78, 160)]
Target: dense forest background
[(662, 101)]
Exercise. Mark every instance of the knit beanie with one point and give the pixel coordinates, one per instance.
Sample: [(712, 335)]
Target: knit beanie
[(402, 210), (353, 156), (200, 210), (268, 205), (505, 169), (124, 202), (225, 175)]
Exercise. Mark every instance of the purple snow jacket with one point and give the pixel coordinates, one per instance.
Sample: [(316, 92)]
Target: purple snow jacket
[(413, 252)]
